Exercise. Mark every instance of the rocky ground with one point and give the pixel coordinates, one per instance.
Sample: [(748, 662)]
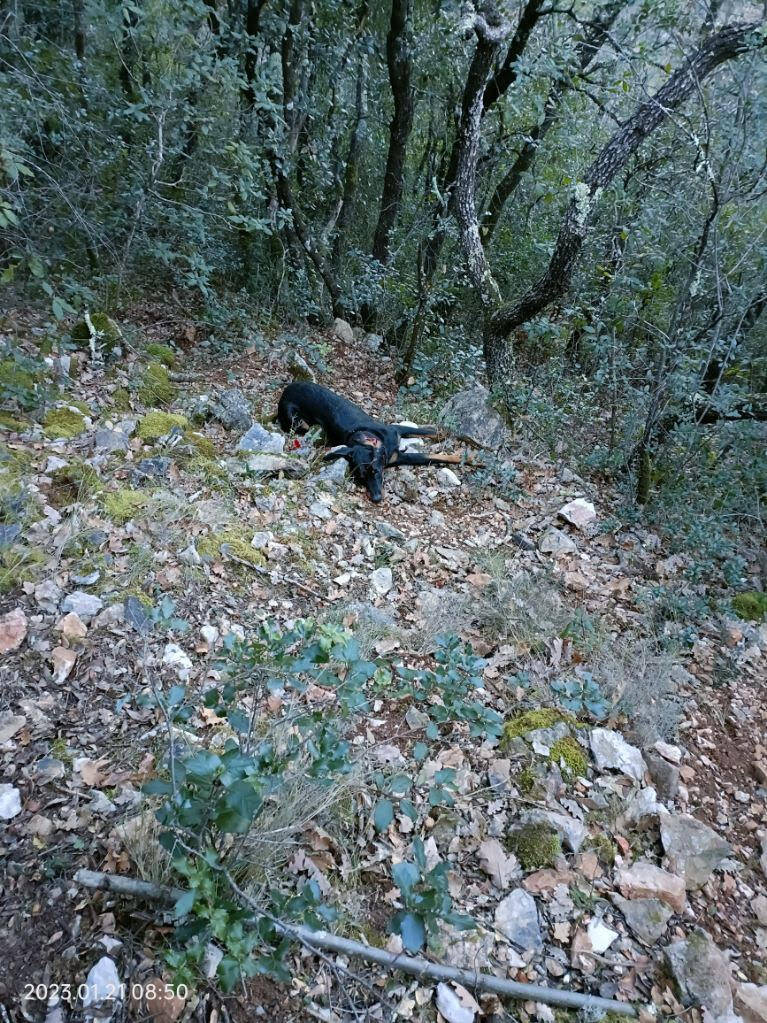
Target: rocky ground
[(620, 850)]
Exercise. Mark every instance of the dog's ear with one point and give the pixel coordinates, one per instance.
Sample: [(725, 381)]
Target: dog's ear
[(331, 456)]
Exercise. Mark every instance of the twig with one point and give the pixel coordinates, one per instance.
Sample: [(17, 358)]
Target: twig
[(414, 965)]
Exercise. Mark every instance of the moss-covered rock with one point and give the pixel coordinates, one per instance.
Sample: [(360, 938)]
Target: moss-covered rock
[(570, 756), (532, 720), (162, 353), (120, 400), (156, 387), (230, 543), (603, 847), (63, 423), (751, 605), (535, 846), (9, 422), (204, 444), (154, 425), (13, 378), (108, 334), (76, 403), (123, 505)]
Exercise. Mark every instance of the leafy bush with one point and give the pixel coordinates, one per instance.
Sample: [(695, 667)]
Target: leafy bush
[(216, 802)]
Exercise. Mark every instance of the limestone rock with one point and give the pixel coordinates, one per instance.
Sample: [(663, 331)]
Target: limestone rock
[(645, 880), (692, 848), (578, 513), (257, 439), (516, 917), (10, 802), (612, 752), (701, 973), (13, 630), (84, 605), (381, 581), (470, 416), (232, 410), (647, 918), (343, 331), (555, 542), (751, 1003)]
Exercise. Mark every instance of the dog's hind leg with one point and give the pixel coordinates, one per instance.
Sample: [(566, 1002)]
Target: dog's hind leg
[(416, 458), (417, 431)]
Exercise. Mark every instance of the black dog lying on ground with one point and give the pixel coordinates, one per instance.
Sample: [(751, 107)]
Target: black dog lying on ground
[(368, 446)]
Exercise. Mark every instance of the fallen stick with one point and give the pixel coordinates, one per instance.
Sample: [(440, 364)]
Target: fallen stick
[(418, 967)]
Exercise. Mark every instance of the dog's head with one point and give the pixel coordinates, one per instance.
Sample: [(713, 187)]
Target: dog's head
[(367, 461)]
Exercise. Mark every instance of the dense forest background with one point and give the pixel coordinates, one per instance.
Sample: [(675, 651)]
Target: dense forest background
[(567, 195)]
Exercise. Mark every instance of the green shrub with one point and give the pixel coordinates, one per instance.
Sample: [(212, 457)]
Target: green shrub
[(751, 605)]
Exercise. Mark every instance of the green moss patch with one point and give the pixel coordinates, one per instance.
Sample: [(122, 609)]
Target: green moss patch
[(535, 846), (154, 425), (162, 353), (204, 444), (123, 505), (569, 755), (156, 387), (120, 400), (63, 423), (532, 720), (108, 334), (235, 543), (751, 605), (13, 378), (9, 422)]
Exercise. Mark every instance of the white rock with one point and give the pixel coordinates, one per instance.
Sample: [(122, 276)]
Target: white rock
[(612, 752), (644, 804), (102, 990), (260, 541), (555, 542), (260, 440), (320, 510), (516, 917), (48, 595), (84, 605), (451, 1006), (447, 477), (343, 331), (578, 513), (10, 802), (381, 581), (211, 959), (10, 724), (63, 662), (54, 463), (210, 634), (600, 936), (175, 657)]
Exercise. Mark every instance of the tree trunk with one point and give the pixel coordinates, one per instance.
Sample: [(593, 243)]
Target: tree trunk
[(351, 171), (79, 30), (586, 50), (399, 58), (494, 89), (252, 26), (725, 44)]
